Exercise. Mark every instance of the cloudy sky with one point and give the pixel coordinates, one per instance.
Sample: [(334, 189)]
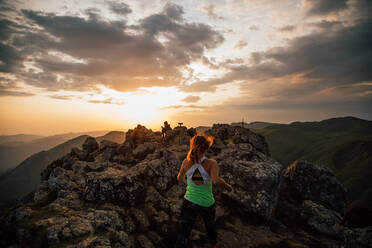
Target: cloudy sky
[(109, 65)]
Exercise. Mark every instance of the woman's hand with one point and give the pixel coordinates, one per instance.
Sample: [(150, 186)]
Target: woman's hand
[(228, 187)]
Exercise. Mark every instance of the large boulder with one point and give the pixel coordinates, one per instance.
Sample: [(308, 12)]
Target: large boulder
[(178, 136), (322, 219), (308, 181), (90, 145), (256, 184), (117, 186), (140, 135)]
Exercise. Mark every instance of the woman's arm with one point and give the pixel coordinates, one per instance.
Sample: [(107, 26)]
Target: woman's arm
[(182, 173), (216, 179)]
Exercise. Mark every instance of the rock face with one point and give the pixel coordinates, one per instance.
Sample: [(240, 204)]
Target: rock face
[(127, 195), (254, 177), (317, 184)]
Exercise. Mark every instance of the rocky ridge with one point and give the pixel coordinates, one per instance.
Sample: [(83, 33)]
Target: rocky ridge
[(127, 195)]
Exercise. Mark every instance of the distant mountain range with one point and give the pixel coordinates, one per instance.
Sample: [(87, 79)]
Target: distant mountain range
[(26, 176), (342, 144), (254, 125), (251, 125), (16, 148)]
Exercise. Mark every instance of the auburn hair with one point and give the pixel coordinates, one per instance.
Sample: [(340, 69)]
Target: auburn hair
[(200, 142)]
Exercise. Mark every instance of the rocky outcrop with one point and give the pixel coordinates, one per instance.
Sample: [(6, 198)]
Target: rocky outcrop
[(127, 195), (311, 182), (254, 177)]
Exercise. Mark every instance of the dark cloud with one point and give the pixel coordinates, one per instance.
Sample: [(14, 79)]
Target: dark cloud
[(150, 53), (6, 7), (324, 7), (10, 58), (321, 60), (62, 97), (191, 99), (5, 29), (14, 93), (210, 62), (173, 11), (241, 44), (361, 9), (9, 87), (6, 83), (119, 8), (324, 24), (287, 29)]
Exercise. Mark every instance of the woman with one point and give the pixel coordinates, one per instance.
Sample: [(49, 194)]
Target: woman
[(201, 172)]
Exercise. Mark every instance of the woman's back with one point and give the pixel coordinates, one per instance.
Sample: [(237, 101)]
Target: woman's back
[(199, 183)]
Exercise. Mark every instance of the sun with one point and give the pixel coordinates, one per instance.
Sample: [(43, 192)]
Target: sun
[(141, 111), (146, 105)]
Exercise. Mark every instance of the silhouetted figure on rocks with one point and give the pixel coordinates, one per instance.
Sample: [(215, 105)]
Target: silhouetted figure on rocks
[(166, 128)]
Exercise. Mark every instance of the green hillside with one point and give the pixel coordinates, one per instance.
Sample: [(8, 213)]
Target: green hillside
[(26, 176), (342, 144), (16, 148)]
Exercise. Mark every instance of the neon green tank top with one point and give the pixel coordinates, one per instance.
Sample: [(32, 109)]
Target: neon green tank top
[(199, 194)]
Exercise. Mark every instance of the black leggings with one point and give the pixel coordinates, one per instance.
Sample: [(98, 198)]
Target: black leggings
[(189, 212)]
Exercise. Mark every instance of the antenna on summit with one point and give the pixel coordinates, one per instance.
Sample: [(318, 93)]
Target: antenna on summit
[(242, 122)]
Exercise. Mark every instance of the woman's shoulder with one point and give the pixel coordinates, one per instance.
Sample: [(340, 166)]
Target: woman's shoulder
[(211, 161)]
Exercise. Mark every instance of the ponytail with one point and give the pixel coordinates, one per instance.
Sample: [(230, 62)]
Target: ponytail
[(199, 143)]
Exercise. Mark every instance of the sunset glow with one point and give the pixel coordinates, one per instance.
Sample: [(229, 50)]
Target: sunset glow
[(105, 65)]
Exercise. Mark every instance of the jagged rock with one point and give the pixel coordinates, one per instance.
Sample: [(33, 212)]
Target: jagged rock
[(117, 186), (90, 145), (120, 238), (96, 241), (256, 184), (19, 214), (43, 193), (144, 242), (178, 136), (61, 179), (311, 182), (236, 135), (141, 219), (105, 219), (162, 171), (322, 219), (104, 144), (124, 148), (358, 237), (143, 150), (154, 237), (140, 135)]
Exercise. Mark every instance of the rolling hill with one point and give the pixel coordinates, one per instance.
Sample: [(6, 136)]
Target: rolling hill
[(254, 124), (26, 176), (16, 148), (342, 144)]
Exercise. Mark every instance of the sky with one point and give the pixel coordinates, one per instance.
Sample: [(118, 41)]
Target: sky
[(72, 66)]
